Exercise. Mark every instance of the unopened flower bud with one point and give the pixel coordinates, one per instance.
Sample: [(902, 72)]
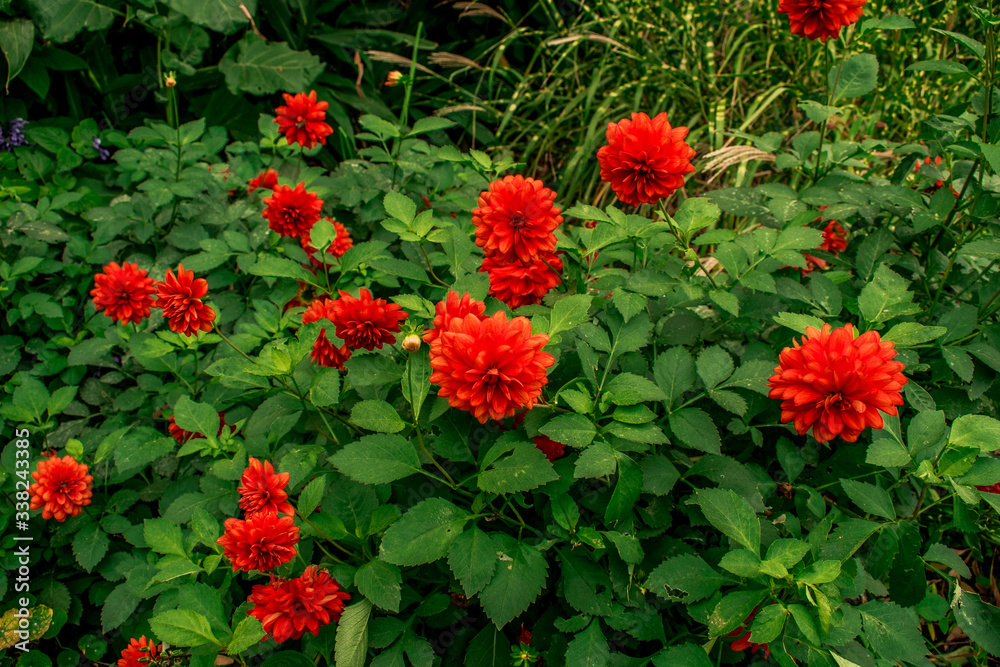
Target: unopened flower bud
[(170, 81), (411, 343), (393, 78)]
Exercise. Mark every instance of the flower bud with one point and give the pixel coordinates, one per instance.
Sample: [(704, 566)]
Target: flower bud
[(411, 343), (393, 78), (170, 81)]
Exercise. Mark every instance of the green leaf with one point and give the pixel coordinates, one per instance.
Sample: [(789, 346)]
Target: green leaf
[(798, 322), (525, 469), (731, 514), (378, 459), (164, 537), (682, 655), (696, 213), (196, 417), (361, 253), (696, 429), (886, 297), (733, 610), (979, 620), (311, 496), (752, 375), (658, 474), (377, 416), (847, 538), (473, 559), (741, 562), (380, 582), (589, 648), (416, 378), (33, 397), (17, 37), (90, 545), (519, 578), (629, 304), (573, 430), (893, 632), (324, 390), (820, 572), (424, 533), (908, 334), (888, 453), (597, 460), (62, 21), (787, 551), (769, 622), (431, 124), (258, 67), (973, 45), (939, 553), (975, 431), (270, 266), (248, 633), (183, 627), (627, 490), (118, 607), (352, 635), (870, 498), (960, 362), (714, 366), (399, 206), (568, 312), (856, 76), (674, 372), (926, 430)]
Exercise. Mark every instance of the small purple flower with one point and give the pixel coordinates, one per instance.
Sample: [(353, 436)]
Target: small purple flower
[(16, 135), (104, 152)]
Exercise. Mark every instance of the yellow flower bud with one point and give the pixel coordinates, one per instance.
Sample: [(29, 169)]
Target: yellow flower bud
[(411, 343)]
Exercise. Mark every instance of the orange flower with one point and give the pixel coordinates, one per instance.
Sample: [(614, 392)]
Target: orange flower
[(645, 159), (820, 19), (301, 120), (123, 292), (62, 487), (267, 180), (180, 299), (261, 542), (836, 384), (451, 307), (522, 283), (263, 490), (744, 643), (324, 352), (515, 219), (490, 368), (366, 322), (287, 608), (137, 649), (292, 211)]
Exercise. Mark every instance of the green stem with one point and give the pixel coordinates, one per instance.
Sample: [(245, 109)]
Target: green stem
[(404, 116)]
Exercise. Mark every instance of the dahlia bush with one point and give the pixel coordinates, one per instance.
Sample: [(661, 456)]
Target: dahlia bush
[(271, 407)]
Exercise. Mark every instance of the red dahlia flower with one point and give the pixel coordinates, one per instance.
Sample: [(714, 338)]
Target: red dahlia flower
[(267, 180), (328, 355), (260, 542), (123, 292), (453, 306), (645, 159), (518, 283), (62, 487), (366, 322), (549, 447), (744, 643), (515, 219), (836, 384), (992, 488), (292, 211), (180, 299), (301, 120), (137, 649), (263, 490), (491, 367), (820, 19), (341, 244), (834, 238), (182, 436), (287, 608)]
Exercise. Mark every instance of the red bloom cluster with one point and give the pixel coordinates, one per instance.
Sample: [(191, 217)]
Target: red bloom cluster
[(365, 322), (62, 487), (820, 19), (445, 311), (834, 240), (262, 541), (136, 650), (522, 283), (182, 436), (263, 491), (124, 292), (489, 367), (514, 223), (301, 120), (287, 608), (645, 159), (267, 180), (341, 244), (836, 384), (292, 211), (744, 643), (549, 447), (324, 352)]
